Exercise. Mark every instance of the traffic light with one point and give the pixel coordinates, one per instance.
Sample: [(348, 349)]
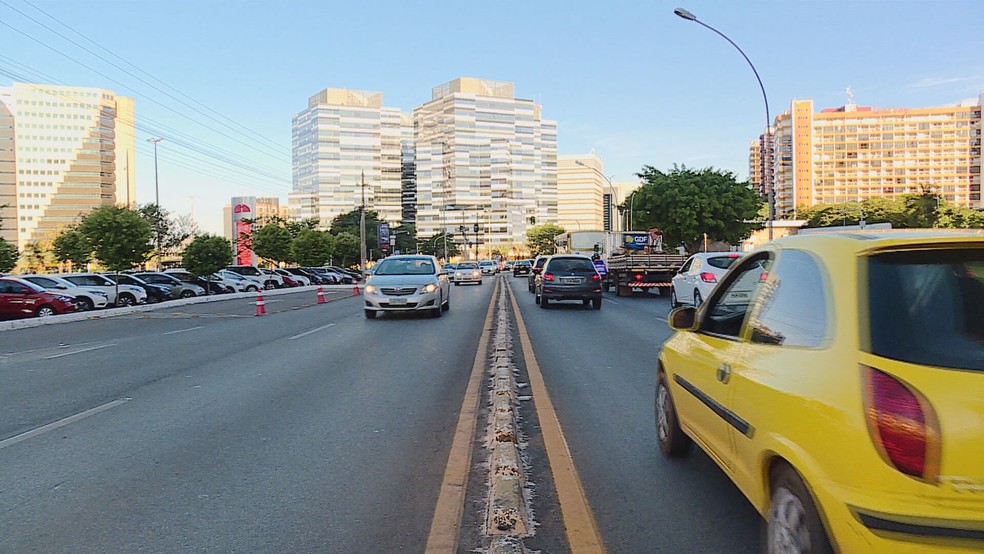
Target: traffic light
[(532, 220), (475, 228)]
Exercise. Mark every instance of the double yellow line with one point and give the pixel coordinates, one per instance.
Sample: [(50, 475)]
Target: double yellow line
[(579, 523)]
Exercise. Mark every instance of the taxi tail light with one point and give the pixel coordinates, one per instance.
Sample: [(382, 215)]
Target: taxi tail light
[(596, 277), (708, 277), (902, 424), (548, 277)]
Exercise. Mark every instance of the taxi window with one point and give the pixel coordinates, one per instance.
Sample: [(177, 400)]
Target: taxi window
[(791, 308), (927, 307), (725, 312)]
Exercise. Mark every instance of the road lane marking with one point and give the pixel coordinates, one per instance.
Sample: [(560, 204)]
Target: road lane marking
[(315, 330), (78, 351), (182, 330), (60, 423), (662, 319), (446, 525), (613, 302), (579, 522)]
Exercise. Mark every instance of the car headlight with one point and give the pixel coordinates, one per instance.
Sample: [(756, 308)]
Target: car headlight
[(474, 274), (100, 293), (430, 288), (65, 298), (371, 289)]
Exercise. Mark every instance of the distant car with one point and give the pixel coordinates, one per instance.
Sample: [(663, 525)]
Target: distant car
[(521, 267), (467, 272), (278, 279), (534, 270), (86, 298), (355, 275), (215, 283), (129, 295), (302, 277), (243, 283), (179, 288), (698, 276), (21, 298), (488, 267), (569, 277), (837, 379), (155, 293), (407, 283), (268, 281), (449, 269)]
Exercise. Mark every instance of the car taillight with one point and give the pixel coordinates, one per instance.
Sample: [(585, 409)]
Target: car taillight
[(902, 424), (638, 277), (548, 276), (764, 276), (708, 277), (596, 277)]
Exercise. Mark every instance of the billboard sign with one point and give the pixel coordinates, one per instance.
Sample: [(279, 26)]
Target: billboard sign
[(243, 213), (635, 241), (383, 232)]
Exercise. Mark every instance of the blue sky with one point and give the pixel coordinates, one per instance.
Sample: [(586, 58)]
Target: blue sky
[(627, 79)]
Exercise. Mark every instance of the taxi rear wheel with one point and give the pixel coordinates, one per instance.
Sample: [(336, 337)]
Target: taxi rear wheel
[(673, 442), (794, 524)]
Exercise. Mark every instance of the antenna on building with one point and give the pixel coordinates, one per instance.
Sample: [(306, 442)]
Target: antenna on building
[(850, 95)]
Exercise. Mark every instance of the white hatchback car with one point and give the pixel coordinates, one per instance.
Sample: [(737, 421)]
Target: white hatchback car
[(698, 276), (407, 283)]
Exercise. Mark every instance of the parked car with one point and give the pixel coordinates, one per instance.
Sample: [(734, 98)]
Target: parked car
[(301, 277), (318, 276), (155, 293), (271, 275), (698, 276), (268, 281), (534, 270), (569, 277), (216, 284), (467, 272), (407, 283), (837, 380), (179, 288), (86, 298), (242, 283), (129, 295), (521, 267), (355, 275), (21, 298)]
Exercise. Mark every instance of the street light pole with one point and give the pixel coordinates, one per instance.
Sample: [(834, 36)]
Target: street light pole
[(157, 201), (362, 227), (770, 194), (611, 191)]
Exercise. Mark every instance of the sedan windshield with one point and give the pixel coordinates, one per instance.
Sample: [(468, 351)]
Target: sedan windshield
[(411, 266)]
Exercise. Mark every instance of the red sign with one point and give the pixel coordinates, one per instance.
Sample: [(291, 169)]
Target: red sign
[(241, 209), (244, 234)]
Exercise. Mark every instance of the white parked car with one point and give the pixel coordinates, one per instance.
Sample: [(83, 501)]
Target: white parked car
[(129, 295), (86, 298), (241, 282), (698, 277), (407, 283), (301, 280)]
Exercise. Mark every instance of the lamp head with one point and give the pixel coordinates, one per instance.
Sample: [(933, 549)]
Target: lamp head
[(685, 14)]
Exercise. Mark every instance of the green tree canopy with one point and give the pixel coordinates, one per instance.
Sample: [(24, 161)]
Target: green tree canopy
[(312, 248), (540, 239), (207, 254), (272, 242), (8, 256), (349, 223), (120, 237), (72, 246), (686, 203), (925, 210), (347, 248), (173, 230), (435, 246)]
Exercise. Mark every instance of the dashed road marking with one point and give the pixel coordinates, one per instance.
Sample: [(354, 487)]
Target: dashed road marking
[(182, 330), (78, 351), (60, 423), (315, 330)]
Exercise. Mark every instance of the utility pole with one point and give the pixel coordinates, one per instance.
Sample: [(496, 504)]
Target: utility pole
[(157, 202), (362, 227)]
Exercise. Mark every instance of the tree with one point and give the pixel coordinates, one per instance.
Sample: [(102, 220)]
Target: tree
[(37, 256), (167, 230), (120, 237), (435, 246), (347, 248), (207, 254), (8, 256), (540, 239), (312, 248), (71, 246), (349, 223), (686, 203), (406, 237), (272, 242)]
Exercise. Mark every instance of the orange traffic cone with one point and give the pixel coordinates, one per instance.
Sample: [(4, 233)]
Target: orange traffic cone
[(260, 304), (321, 295), (355, 289)]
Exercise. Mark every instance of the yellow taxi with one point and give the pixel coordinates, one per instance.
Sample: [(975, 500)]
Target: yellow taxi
[(838, 380)]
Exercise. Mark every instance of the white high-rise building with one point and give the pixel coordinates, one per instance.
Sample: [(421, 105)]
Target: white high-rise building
[(485, 158), (583, 193), (63, 152), (342, 136)]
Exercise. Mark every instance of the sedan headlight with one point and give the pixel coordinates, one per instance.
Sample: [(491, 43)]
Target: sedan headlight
[(65, 298), (475, 274), (371, 289), (430, 288)]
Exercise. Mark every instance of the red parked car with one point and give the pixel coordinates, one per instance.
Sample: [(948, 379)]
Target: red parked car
[(20, 298)]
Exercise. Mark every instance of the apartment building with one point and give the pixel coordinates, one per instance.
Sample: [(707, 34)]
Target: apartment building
[(856, 152), (343, 139), (584, 196), (63, 152), (483, 157)]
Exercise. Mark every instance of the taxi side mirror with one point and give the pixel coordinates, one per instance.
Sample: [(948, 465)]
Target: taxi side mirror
[(683, 319)]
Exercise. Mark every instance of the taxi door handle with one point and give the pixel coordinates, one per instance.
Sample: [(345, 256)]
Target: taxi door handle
[(724, 373)]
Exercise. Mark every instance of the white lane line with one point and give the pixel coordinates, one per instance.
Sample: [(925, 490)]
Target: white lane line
[(614, 302), (662, 319), (78, 351), (181, 330), (315, 330), (60, 423)]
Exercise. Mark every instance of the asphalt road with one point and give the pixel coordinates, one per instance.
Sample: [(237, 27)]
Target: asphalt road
[(205, 429)]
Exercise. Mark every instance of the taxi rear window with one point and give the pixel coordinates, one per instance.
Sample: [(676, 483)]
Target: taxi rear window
[(927, 307)]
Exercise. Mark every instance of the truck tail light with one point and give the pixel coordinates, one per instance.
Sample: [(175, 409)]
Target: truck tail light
[(596, 277), (638, 277), (708, 277), (902, 424), (548, 277)]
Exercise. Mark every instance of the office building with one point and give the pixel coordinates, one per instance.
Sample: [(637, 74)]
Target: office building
[(583, 193), (343, 137), (63, 152), (856, 152), (486, 158)]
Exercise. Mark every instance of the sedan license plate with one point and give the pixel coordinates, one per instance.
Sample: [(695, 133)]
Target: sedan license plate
[(570, 280), (398, 301)]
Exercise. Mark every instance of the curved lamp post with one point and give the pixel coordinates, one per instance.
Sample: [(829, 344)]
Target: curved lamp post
[(770, 194), (611, 191)]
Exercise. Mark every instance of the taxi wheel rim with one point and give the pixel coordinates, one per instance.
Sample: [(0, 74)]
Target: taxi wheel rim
[(663, 424), (788, 532)]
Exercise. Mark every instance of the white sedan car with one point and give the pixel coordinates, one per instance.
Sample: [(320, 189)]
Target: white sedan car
[(698, 276), (405, 284), (467, 272)]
